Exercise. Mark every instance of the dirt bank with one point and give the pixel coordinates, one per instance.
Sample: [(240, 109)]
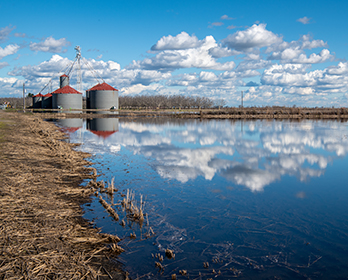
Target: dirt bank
[(42, 234)]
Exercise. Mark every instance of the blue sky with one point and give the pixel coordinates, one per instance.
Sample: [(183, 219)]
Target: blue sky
[(277, 52)]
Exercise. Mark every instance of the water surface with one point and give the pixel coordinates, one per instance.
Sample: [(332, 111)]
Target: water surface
[(247, 199)]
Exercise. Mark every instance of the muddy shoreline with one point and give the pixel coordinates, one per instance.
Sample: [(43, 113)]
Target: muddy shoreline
[(42, 232)]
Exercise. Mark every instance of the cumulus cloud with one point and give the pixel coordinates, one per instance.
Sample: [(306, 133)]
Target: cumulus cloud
[(254, 37), (314, 58), (8, 50), (51, 45), (218, 52), (304, 20), (179, 42), (290, 76), (177, 54)]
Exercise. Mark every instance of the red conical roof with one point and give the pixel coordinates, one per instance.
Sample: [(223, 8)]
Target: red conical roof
[(38, 95), (66, 89), (47, 95), (103, 86), (65, 75)]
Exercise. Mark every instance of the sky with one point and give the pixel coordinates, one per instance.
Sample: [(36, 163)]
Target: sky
[(286, 53)]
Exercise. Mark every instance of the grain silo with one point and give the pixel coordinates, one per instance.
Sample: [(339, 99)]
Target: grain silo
[(64, 81), (46, 101), (102, 96), (37, 99), (66, 98)]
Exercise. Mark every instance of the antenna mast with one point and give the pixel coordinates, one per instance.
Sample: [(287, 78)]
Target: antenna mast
[(79, 76)]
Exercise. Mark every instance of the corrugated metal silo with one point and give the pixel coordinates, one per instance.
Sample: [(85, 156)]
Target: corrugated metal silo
[(47, 101), (64, 80), (37, 99), (66, 98), (102, 96)]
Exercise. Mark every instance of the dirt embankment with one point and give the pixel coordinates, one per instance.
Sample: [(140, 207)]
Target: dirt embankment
[(42, 234)]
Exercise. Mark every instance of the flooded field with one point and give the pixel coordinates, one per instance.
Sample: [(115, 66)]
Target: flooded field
[(222, 199)]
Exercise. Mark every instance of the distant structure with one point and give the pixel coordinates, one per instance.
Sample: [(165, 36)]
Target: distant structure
[(102, 96)]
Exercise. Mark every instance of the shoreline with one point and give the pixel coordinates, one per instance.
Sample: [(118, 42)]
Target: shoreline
[(246, 113), (42, 232)]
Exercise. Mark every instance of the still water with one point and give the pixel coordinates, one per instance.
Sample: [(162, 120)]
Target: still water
[(252, 199)]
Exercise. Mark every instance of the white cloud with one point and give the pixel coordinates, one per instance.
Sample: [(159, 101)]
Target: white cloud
[(50, 45), (190, 57), (304, 20), (8, 50), (323, 56), (254, 37), (139, 88), (218, 52), (179, 42)]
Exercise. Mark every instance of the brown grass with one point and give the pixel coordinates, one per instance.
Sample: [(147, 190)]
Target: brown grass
[(42, 234)]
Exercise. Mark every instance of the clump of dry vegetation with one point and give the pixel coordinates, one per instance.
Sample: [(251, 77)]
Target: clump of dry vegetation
[(42, 233), (135, 212)]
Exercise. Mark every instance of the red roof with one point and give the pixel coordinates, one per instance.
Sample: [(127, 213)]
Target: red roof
[(104, 134), (103, 86), (65, 75), (66, 89), (47, 95), (38, 95)]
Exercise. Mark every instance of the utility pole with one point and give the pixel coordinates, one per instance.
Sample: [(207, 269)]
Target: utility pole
[(242, 98), (24, 97)]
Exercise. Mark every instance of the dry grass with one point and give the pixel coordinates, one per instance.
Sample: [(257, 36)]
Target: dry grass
[(134, 211), (42, 234)]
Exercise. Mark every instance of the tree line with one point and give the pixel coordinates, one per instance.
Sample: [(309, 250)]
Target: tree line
[(168, 102)]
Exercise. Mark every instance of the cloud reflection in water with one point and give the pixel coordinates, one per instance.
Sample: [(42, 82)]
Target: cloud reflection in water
[(255, 156)]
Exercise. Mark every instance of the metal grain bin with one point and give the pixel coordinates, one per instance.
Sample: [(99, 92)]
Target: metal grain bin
[(37, 99), (66, 98), (46, 101), (102, 96), (64, 80)]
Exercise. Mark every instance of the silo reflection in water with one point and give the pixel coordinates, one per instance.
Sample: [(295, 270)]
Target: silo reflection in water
[(70, 125), (103, 127)]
